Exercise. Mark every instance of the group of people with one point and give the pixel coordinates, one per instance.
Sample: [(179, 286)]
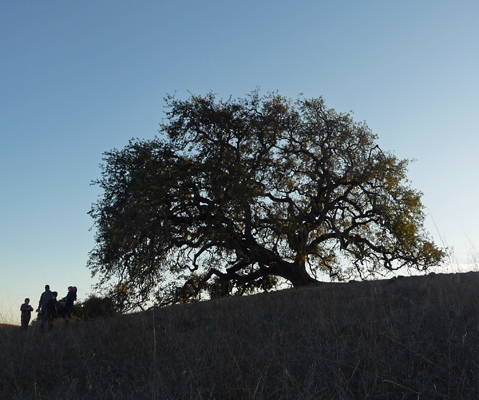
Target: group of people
[(48, 306)]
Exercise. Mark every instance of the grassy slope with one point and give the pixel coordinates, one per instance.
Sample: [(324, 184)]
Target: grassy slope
[(8, 326), (410, 338)]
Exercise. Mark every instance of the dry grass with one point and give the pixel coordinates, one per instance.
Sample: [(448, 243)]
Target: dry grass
[(8, 326), (410, 338)]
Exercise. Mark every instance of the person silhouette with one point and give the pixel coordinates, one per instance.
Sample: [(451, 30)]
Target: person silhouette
[(52, 310), (69, 300), (26, 310), (43, 305)]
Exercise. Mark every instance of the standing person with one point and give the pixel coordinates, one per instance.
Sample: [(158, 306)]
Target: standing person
[(69, 300), (52, 310), (26, 310), (43, 305)]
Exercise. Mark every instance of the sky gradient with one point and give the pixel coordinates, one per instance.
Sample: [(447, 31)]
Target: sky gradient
[(81, 78)]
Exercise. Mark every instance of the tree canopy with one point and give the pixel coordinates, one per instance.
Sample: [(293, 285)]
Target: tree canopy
[(237, 195)]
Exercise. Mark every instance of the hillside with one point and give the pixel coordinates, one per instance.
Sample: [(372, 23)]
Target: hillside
[(8, 326), (410, 338)]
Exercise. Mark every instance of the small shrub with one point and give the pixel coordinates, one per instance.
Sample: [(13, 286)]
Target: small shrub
[(95, 307)]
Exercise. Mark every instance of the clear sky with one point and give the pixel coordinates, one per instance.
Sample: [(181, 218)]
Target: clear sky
[(78, 78)]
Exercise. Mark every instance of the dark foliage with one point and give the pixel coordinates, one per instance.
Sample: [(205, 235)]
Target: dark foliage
[(250, 192), (95, 307)]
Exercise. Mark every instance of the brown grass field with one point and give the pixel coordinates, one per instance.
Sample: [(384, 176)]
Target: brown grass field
[(409, 338)]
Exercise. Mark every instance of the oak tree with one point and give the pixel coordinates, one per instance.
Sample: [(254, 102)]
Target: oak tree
[(238, 195)]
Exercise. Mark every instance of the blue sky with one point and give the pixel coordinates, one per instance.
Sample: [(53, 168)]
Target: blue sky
[(81, 78)]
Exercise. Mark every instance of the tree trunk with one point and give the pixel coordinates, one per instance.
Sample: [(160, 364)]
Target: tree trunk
[(295, 273)]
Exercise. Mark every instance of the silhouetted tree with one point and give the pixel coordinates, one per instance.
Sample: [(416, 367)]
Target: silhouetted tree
[(239, 191)]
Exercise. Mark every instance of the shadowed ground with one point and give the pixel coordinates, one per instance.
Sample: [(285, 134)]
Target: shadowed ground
[(409, 338)]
